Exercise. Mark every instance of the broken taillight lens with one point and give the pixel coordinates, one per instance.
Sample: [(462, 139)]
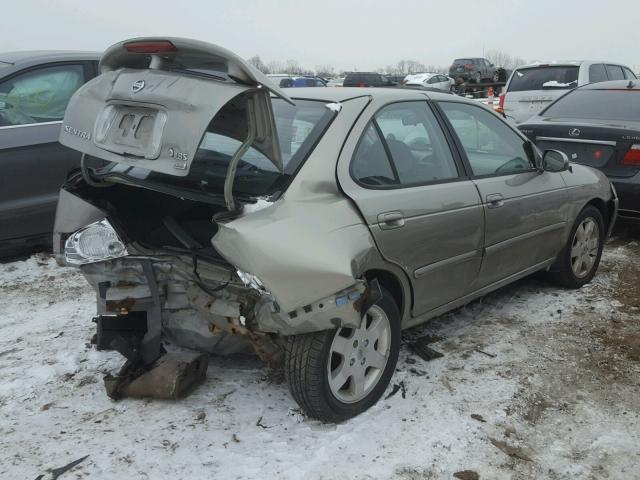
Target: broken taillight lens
[(632, 157), (158, 46)]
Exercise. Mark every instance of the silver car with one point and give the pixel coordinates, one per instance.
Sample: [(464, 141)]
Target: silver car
[(533, 87), (310, 229)]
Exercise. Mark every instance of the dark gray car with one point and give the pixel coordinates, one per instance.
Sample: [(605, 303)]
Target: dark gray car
[(34, 90), (474, 69)]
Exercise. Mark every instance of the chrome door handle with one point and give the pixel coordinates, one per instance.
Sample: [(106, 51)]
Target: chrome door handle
[(390, 220), (495, 200)]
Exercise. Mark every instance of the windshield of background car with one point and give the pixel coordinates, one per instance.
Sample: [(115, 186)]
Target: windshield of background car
[(462, 61), (546, 77), (299, 129), (622, 104)]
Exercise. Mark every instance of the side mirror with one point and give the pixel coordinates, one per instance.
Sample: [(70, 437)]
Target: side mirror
[(555, 161)]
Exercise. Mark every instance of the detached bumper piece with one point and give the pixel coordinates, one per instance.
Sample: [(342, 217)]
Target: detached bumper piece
[(172, 376), (149, 371)]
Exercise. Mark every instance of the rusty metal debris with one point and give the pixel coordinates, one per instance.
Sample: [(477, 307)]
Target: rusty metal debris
[(421, 348), (172, 376)]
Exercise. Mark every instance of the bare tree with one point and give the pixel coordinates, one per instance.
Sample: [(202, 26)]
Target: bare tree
[(277, 67), (503, 59), (294, 68), (325, 71), (259, 64)]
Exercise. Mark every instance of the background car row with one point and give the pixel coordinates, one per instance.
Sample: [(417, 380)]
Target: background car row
[(36, 86)]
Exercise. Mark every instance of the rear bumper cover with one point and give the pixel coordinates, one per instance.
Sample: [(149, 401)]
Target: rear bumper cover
[(629, 196)]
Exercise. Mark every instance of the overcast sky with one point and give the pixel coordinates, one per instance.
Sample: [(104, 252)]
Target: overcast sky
[(347, 34)]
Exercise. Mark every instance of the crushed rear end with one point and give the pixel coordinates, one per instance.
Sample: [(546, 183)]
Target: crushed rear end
[(194, 243)]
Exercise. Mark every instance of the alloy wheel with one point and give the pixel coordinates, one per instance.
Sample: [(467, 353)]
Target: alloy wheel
[(358, 357), (584, 247)]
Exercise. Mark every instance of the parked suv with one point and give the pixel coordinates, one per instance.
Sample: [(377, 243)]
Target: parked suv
[(532, 87), (367, 79), (474, 69), (34, 90), (312, 230)]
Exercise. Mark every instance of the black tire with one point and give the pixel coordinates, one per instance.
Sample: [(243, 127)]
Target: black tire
[(306, 365), (477, 77), (496, 77), (564, 274)]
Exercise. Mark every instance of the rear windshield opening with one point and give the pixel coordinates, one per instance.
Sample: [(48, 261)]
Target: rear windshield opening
[(542, 78), (597, 104), (299, 128)]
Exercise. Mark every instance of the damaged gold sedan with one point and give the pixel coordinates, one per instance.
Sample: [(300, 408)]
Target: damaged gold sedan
[(311, 230)]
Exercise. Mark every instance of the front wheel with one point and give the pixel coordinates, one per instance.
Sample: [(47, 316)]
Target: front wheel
[(581, 256), (337, 374)]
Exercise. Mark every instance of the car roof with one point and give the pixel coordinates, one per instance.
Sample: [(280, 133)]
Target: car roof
[(632, 84), (38, 56), (12, 62), (568, 63), (348, 93)]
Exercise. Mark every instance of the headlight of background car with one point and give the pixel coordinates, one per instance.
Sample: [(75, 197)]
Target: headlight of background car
[(93, 243)]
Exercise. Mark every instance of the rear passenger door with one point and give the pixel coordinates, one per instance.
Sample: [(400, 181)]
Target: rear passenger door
[(34, 164), (424, 213), (597, 73), (525, 209), (615, 72)]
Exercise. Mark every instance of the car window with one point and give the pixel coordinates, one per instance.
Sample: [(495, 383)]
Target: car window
[(628, 74), (370, 164), (615, 72), (598, 104), (544, 77), (597, 73), (409, 133), (492, 148), (299, 128), (433, 80), (39, 95)]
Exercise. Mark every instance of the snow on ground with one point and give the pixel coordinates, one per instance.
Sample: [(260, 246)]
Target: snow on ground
[(550, 375)]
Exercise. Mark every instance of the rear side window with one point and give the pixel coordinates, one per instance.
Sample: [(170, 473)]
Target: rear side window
[(599, 104), (492, 148), (403, 146), (542, 78), (628, 74), (597, 73), (39, 95), (615, 72)]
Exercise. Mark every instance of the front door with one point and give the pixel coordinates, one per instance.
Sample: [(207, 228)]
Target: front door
[(423, 212), (34, 165), (525, 209)]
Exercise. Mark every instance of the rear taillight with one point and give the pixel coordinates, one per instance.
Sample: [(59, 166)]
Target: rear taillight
[(159, 46), (632, 157)]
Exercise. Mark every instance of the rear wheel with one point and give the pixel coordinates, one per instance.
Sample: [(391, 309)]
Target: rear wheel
[(477, 77), (337, 374), (581, 256), (496, 77)]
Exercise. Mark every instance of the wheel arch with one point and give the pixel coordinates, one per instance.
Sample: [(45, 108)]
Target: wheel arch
[(607, 209), (400, 291)]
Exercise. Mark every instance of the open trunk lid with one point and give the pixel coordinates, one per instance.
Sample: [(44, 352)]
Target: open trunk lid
[(152, 103)]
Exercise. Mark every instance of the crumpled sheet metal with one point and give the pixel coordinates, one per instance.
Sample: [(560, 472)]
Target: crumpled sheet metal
[(292, 254)]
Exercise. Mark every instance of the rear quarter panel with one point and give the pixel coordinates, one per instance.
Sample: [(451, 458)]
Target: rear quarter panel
[(584, 185)]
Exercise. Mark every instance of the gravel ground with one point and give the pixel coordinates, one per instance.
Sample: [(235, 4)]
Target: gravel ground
[(535, 382)]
